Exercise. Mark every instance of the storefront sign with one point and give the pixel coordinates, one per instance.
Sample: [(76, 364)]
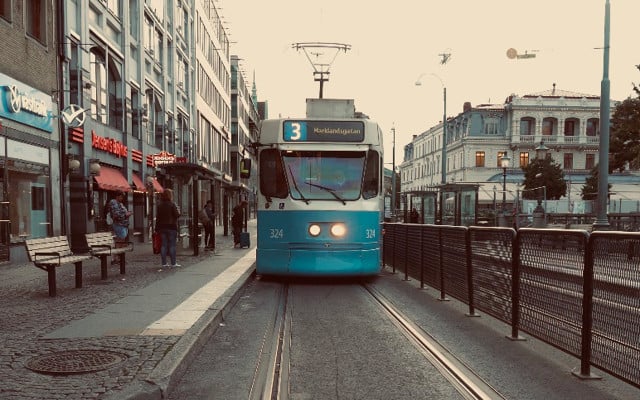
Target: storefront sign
[(165, 157), (109, 145), (24, 104)]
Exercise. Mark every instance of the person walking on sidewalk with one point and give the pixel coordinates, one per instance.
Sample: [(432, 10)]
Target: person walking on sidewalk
[(237, 222), (207, 217), (167, 214)]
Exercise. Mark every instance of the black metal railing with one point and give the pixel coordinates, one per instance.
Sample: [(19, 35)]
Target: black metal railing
[(575, 290)]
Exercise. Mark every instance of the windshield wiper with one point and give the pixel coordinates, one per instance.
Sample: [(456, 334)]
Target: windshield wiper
[(328, 189), (295, 185)]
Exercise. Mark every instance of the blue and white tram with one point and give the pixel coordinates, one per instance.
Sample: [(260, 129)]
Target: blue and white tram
[(320, 201)]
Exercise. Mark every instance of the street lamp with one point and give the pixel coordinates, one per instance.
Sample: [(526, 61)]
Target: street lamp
[(393, 178), (504, 163), (539, 216), (444, 125)]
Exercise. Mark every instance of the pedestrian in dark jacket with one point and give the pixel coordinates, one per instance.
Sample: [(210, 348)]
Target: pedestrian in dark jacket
[(237, 222), (207, 216), (167, 214)]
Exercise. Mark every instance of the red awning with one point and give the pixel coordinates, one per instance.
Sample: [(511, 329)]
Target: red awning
[(157, 186), (111, 179), (137, 181)]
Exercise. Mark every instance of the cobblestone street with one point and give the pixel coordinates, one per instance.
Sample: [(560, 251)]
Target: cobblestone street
[(28, 314)]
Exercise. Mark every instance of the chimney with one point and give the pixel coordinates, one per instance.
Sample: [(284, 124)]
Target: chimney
[(467, 106)]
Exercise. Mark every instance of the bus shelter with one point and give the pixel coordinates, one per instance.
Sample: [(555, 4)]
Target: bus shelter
[(458, 204), (448, 204)]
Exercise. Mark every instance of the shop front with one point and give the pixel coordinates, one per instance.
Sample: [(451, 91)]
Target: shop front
[(28, 164), (193, 184)]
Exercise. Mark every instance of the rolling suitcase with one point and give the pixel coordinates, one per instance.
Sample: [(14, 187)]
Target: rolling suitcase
[(245, 240)]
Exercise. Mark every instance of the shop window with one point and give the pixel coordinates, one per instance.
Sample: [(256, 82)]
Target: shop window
[(28, 200)]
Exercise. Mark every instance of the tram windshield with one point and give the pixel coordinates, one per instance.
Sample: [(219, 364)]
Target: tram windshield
[(324, 175)]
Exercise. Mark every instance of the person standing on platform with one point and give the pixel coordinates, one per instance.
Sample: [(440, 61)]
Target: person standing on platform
[(237, 222), (167, 214), (207, 216)]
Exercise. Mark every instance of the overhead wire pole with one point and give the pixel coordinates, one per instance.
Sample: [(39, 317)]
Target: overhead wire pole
[(320, 69), (602, 221), (445, 58)]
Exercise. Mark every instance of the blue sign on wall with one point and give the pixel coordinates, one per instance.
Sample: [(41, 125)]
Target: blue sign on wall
[(24, 104)]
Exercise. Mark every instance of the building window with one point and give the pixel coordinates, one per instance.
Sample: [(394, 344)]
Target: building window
[(548, 126), (590, 161), (136, 114), (568, 160), (491, 126), (5, 9), (527, 126), (106, 89), (524, 159), (35, 18), (98, 85), (155, 125), (114, 7), (593, 127), (479, 158), (570, 127)]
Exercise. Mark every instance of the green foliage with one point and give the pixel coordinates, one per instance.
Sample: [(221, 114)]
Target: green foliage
[(624, 140), (540, 173), (590, 189)]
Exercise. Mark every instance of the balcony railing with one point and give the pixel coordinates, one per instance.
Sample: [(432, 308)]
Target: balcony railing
[(556, 139)]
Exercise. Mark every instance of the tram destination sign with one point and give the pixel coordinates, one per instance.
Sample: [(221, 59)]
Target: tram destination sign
[(323, 131)]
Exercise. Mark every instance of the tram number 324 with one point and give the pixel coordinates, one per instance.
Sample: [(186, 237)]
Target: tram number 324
[(279, 233)]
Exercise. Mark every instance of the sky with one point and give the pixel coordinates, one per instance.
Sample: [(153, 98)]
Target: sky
[(392, 44)]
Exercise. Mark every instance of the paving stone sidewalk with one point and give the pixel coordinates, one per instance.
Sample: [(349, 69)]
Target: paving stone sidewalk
[(28, 314)]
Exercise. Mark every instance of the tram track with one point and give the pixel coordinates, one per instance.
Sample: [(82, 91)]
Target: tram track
[(463, 378), (271, 376)]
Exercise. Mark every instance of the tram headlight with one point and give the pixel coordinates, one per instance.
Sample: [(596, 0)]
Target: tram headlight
[(314, 230), (338, 230)]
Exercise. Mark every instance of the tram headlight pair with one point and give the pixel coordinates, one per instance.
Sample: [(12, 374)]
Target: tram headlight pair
[(336, 230)]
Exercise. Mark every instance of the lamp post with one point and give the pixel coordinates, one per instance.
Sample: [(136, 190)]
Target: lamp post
[(539, 216), (504, 163), (602, 221), (393, 178), (443, 167)]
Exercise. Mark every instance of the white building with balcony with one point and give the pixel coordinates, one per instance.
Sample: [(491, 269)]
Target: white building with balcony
[(478, 137)]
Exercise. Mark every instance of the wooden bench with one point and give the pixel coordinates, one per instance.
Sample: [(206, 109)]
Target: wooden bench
[(103, 245), (52, 252)]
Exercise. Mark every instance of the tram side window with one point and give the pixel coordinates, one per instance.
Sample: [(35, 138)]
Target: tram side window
[(371, 175), (272, 180)]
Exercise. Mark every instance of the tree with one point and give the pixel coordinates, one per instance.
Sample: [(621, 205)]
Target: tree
[(624, 142), (590, 189), (543, 173), (625, 136)]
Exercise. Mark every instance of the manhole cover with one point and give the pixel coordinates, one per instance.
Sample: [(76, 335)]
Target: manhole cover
[(74, 362)]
